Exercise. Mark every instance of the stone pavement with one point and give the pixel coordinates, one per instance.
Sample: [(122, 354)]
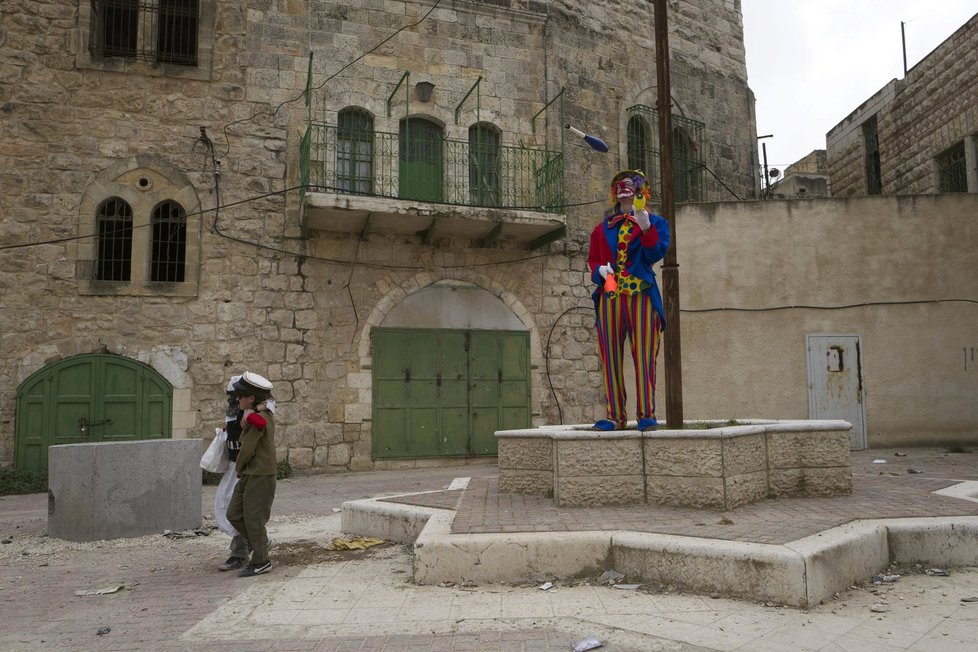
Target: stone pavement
[(318, 600)]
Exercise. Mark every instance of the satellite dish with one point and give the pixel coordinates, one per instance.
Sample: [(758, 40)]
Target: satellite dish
[(774, 173)]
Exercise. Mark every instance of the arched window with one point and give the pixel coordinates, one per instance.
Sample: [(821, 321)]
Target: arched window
[(113, 261), (169, 255), (420, 160), (484, 155), (686, 169), (355, 151), (640, 144)]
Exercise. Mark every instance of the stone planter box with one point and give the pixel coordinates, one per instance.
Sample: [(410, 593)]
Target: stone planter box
[(720, 468)]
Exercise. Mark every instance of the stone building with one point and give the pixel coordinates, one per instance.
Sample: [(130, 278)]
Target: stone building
[(806, 177), (375, 204), (916, 135)]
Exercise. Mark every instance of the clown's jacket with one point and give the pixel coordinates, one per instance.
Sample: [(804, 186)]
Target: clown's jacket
[(635, 253)]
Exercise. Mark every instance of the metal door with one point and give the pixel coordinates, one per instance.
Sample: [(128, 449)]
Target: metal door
[(835, 384), (446, 392), (420, 160), (89, 398)]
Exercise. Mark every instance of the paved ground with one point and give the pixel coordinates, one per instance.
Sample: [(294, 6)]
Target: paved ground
[(172, 598)]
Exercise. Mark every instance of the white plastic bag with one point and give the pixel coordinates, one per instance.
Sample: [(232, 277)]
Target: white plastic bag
[(215, 458)]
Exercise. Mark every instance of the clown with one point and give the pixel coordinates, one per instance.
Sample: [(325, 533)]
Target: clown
[(624, 246)]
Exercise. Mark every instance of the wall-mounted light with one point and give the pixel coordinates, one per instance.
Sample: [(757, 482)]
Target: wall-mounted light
[(424, 90)]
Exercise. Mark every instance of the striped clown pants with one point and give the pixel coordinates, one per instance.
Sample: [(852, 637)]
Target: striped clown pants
[(630, 315)]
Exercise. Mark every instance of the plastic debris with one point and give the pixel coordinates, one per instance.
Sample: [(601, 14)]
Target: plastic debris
[(102, 591), (938, 572), (880, 608), (546, 586), (589, 643), (914, 471), (879, 461), (189, 534), (610, 577), (627, 587), (885, 579), (900, 454), (103, 630)]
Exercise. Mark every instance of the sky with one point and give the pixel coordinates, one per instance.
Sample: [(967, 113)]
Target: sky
[(810, 63)]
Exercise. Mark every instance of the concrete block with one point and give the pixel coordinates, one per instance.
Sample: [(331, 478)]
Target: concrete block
[(516, 557), (386, 520), (585, 491), (685, 492), (744, 454), (813, 449), (604, 456), (521, 481), (750, 570), (809, 482), (684, 457), (116, 490), (836, 558), (945, 542), (530, 453), (744, 489)]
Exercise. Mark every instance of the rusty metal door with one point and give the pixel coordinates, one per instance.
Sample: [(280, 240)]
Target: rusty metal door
[(835, 382)]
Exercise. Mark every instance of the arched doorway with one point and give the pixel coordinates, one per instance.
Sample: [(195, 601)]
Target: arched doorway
[(87, 399), (451, 366)]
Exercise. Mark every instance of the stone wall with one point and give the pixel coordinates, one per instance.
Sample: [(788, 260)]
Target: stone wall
[(266, 296), (919, 117)]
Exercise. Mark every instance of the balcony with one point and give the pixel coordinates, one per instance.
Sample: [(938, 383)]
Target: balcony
[(418, 183)]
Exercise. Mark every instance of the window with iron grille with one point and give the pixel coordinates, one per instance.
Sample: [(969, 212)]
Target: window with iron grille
[(639, 145), (355, 151), (686, 167), (114, 241), (687, 156), (952, 169), (874, 178), (164, 31), (169, 223), (484, 165)]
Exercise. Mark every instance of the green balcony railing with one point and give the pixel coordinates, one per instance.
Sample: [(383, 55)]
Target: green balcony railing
[(433, 169)]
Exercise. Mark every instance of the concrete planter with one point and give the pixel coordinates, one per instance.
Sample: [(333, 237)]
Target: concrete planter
[(720, 468)]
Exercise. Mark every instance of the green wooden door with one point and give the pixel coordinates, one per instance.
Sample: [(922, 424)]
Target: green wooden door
[(446, 392), (420, 160), (89, 398)]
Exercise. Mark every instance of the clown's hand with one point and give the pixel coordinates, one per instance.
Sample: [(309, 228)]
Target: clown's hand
[(642, 219), (604, 270)]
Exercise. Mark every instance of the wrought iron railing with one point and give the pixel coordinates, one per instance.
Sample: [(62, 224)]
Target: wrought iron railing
[(438, 170)]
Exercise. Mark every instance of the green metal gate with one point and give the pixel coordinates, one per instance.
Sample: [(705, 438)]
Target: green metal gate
[(89, 398), (440, 393)]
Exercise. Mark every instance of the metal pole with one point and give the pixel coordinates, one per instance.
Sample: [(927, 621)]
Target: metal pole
[(767, 175), (903, 38), (670, 268)]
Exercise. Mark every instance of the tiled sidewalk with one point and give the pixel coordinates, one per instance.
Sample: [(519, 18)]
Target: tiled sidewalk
[(889, 493)]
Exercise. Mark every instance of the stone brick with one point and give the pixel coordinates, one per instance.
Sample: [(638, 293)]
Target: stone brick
[(683, 457), (525, 481), (532, 453), (685, 491), (784, 483), (745, 454), (789, 450), (605, 490), (599, 457)]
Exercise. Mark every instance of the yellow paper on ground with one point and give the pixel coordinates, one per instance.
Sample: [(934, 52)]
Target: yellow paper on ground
[(357, 543)]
